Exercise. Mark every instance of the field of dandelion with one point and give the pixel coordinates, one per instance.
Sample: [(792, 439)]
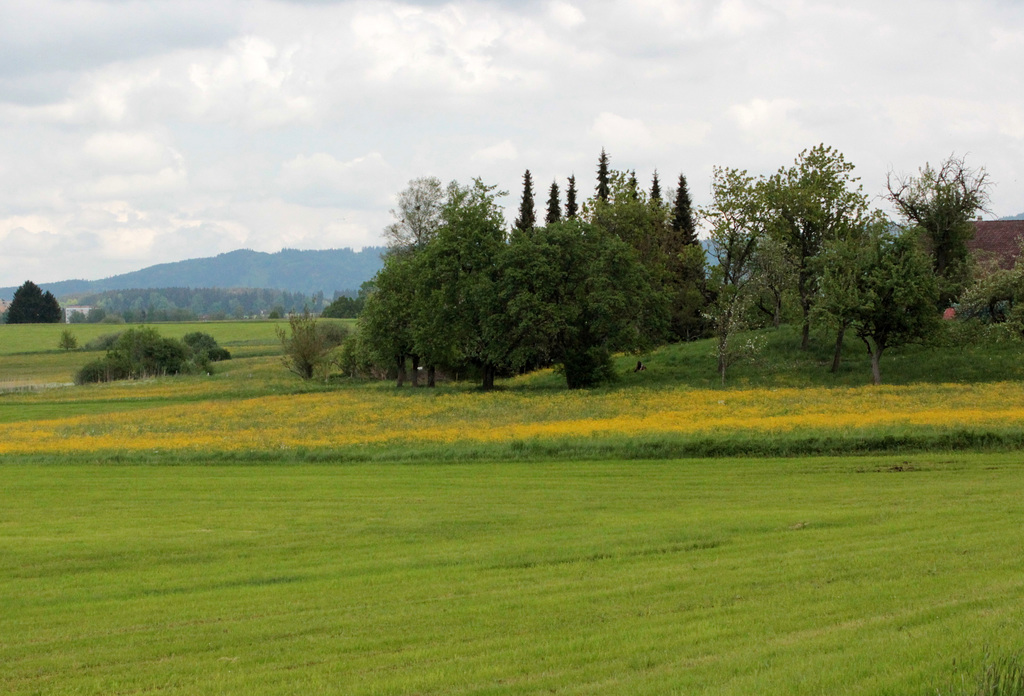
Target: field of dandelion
[(252, 409), (868, 575)]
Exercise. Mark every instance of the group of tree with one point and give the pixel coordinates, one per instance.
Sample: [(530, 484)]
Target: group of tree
[(462, 293), (142, 352), (807, 236), (30, 305), (625, 270), (189, 304)]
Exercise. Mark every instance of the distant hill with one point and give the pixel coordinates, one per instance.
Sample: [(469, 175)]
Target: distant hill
[(306, 272), (1014, 217)]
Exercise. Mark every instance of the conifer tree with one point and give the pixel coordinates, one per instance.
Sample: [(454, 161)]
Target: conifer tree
[(682, 214), (31, 305), (634, 192), (655, 187), (602, 177), (570, 199), (527, 219), (554, 210)]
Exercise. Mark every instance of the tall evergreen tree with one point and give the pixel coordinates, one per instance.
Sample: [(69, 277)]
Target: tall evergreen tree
[(682, 214), (31, 305), (554, 209), (602, 176), (655, 187), (527, 219), (570, 199)]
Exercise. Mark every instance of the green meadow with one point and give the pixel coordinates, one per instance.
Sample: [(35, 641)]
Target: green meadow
[(885, 573)]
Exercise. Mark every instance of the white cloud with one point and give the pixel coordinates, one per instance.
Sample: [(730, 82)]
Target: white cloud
[(320, 179), (565, 14), (618, 132), (504, 150)]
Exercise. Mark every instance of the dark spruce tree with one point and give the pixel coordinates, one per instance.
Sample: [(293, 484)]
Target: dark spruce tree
[(682, 214), (634, 190), (32, 306), (554, 209), (602, 177), (527, 219), (655, 187), (570, 199)]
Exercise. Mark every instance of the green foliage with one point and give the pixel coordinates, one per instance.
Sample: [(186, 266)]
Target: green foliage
[(204, 347), (68, 340), (603, 190), (571, 207), (136, 354), (554, 213), (344, 307), (804, 207), (682, 214), (884, 289), (574, 294), (308, 345), (31, 305), (942, 203), (527, 219), (103, 341)]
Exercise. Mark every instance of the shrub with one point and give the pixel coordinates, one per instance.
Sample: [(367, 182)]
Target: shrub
[(67, 340), (138, 353), (308, 345), (203, 344), (103, 341)]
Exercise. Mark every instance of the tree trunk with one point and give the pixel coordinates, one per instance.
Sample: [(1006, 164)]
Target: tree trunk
[(876, 373), (415, 370), (805, 337), (430, 376), (488, 382), (400, 364), (777, 319), (839, 349)]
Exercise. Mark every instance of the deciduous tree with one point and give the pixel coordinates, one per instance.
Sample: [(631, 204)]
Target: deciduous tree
[(942, 203)]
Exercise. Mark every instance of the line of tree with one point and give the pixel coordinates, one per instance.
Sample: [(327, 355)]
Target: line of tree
[(625, 270), (186, 304)]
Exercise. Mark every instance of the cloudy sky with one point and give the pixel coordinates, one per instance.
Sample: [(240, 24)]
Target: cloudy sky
[(139, 132)]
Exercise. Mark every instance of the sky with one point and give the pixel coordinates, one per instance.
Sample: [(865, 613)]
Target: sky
[(141, 132)]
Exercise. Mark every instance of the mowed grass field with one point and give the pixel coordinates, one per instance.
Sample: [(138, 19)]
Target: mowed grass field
[(247, 532), (872, 575)]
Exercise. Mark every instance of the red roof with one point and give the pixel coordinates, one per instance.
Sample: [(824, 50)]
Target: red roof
[(999, 239)]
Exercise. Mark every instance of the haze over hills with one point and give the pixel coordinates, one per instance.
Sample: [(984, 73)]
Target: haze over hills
[(306, 272)]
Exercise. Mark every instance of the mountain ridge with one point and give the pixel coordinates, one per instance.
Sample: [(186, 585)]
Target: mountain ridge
[(293, 270)]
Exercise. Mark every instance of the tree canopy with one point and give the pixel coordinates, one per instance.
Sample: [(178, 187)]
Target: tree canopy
[(31, 305)]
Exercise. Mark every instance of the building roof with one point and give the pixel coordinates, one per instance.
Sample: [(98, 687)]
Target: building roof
[(997, 239)]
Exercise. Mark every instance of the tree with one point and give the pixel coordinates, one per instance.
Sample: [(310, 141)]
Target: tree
[(307, 345), (885, 290), (554, 208), (805, 206), (417, 217), (458, 316), (655, 187), (735, 231), (573, 294), (67, 341), (527, 219), (386, 323), (942, 203), (682, 214), (602, 177), (31, 305), (571, 208)]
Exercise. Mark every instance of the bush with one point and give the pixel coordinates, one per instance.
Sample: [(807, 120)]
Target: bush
[(206, 345), (67, 340), (103, 341), (308, 345), (138, 353)]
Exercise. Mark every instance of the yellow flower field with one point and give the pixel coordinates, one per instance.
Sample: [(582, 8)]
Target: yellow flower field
[(374, 416)]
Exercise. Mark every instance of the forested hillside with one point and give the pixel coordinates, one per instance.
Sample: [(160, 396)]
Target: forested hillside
[(292, 270)]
